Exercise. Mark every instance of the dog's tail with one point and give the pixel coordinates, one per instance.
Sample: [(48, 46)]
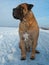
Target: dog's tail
[(44, 28)]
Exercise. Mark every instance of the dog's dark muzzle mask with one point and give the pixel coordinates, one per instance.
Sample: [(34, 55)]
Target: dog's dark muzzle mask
[(17, 13)]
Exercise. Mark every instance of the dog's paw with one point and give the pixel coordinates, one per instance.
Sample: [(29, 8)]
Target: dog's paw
[(37, 51), (23, 58), (32, 57)]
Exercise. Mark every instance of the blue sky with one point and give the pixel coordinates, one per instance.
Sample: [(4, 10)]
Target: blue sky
[(40, 10)]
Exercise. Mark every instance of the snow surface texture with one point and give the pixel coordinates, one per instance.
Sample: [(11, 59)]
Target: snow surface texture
[(10, 53)]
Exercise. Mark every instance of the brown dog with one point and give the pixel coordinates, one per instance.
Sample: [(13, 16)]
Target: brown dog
[(28, 29)]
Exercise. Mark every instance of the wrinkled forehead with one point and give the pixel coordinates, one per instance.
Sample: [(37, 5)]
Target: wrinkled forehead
[(24, 5)]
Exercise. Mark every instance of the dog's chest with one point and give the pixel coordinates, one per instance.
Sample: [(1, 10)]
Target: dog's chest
[(25, 26), (27, 39), (26, 36), (26, 32)]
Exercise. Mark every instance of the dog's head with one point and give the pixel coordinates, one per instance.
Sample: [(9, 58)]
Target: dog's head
[(20, 11)]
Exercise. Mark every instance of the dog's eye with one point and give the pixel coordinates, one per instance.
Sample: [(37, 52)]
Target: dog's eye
[(22, 7)]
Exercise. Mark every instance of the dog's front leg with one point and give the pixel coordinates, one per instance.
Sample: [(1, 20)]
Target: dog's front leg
[(23, 50), (33, 49)]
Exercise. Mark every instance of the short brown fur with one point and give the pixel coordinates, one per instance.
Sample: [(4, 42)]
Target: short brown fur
[(28, 25)]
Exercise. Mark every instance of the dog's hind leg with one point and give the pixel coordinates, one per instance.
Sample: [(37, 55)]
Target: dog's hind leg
[(36, 51)]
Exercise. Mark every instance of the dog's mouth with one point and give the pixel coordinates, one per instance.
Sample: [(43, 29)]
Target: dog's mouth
[(15, 15)]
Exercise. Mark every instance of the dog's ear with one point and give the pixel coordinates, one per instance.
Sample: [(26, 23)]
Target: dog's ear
[(30, 6)]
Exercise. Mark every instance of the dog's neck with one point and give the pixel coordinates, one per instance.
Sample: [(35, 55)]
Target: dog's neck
[(28, 17)]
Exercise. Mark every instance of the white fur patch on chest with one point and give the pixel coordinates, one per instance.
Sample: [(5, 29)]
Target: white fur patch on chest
[(26, 36)]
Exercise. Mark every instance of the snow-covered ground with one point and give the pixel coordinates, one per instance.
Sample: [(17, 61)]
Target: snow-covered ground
[(9, 48)]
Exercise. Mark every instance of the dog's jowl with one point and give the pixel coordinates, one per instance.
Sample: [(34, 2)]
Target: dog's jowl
[(28, 29)]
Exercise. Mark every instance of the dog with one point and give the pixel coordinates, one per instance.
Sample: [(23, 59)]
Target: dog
[(28, 29)]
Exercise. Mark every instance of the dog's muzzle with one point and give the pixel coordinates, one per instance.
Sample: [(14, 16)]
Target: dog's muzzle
[(14, 13)]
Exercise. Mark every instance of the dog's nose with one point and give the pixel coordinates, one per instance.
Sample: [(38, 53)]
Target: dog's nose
[(13, 9)]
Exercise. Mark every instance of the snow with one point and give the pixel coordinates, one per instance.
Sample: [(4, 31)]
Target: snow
[(10, 53), (1, 36)]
